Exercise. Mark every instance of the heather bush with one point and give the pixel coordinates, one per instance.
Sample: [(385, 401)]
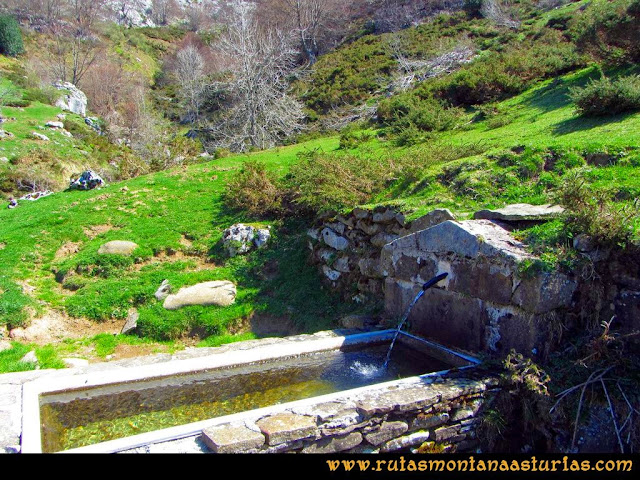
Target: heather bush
[(607, 97)]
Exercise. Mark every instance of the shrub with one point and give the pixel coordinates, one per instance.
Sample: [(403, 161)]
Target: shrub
[(255, 190), (593, 211), (10, 36), (607, 97)]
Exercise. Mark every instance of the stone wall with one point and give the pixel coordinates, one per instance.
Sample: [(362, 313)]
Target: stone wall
[(346, 248), (488, 302), (439, 413)]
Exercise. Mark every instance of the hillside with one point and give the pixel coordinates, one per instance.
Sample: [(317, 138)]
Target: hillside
[(467, 109)]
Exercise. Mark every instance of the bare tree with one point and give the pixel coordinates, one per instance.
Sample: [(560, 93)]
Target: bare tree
[(189, 72), (260, 111), (162, 11), (499, 13), (76, 45)]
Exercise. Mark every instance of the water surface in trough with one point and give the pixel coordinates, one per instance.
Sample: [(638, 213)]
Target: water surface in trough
[(96, 416)]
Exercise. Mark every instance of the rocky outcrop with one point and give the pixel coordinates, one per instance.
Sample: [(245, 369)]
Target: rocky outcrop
[(221, 293), (488, 301), (74, 100)]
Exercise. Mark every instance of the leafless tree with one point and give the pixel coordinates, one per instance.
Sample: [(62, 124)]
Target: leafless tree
[(162, 11), (189, 72), (499, 13), (260, 111), (76, 46)]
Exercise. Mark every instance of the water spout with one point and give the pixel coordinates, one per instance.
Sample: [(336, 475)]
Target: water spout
[(426, 286)]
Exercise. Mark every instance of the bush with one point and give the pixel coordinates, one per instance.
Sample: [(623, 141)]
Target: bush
[(255, 190), (607, 97), (10, 36)]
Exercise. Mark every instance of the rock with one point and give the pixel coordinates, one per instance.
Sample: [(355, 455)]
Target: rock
[(131, 323), (342, 265), (94, 124), (584, 243), (4, 160), (238, 239), (4, 345), (30, 357), (286, 427), (385, 216), (330, 273), (75, 362), (430, 219), (61, 116), (5, 134), (163, 290), (521, 212), (334, 240), (117, 247), (88, 180), (54, 124), (40, 136), (544, 292), (222, 293), (231, 438), (73, 100), (263, 235), (335, 444), (386, 432), (382, 239), (359, 213)]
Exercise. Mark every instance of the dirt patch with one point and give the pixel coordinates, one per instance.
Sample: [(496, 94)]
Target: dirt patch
[(184, 241), (2, 245), (68, 249), (55, 326), (95, 230), (130, 351)]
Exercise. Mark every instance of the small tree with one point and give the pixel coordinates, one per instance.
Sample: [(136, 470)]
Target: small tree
[(10, 36)]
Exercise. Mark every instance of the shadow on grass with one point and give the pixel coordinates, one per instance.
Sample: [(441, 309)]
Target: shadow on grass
[(579, 123)]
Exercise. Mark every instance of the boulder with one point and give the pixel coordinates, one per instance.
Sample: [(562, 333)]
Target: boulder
[(334, 240), (54, 124), (74, 100), (222, 293), (30, 357), (88, 180), (239, 238), (131, 323), (39, 136), (430, 219), (521, 212), (117, 247)]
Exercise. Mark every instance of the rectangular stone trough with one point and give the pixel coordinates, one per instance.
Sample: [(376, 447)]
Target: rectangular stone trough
[(379, 416)]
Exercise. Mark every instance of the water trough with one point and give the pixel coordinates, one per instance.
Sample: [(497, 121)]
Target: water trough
[(40, 394)]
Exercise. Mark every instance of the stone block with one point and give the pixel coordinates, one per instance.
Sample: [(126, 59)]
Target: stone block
[(232, 438), (481, 279), (286, 427), (407, 441), (544, 292), (335, 444), (426, 421), (386, 432)]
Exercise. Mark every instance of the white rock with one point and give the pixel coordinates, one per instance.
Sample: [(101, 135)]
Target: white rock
[(30, 357), (74, 99), (40, 136), (222, 293), (54, 124), (118, 247), (262, 237)]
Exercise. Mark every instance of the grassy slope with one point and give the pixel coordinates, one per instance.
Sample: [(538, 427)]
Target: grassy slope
[(541, 117), (179, 210)]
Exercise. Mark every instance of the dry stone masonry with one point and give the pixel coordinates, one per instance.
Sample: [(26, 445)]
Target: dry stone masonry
[(347, 247), (490, 302), (438, 412)]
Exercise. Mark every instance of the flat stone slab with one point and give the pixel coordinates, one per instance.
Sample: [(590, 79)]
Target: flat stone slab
[(219, 292), (117, 247), (231, 438), (521, 212), (286, 427)]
